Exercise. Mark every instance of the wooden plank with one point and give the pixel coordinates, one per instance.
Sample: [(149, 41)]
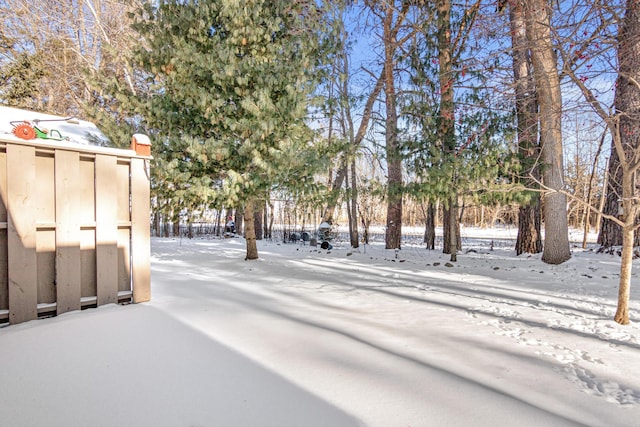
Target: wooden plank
[(45, 199), (4, 278), (106, 230), (3, 186), (124, 233), (45, 236), (88, 264), (4, 271), (124, 259), (88, 236), (68, 270), (123, 189), (140, 230), (46, 255), (87, 207), (21, 238)]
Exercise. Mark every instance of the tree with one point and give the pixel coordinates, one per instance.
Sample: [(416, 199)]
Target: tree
[(626, 137), (610, 234), (20, 79), (623, 122), (547, 83), (392, 18), (232, 82), (341, 131), (58, 51), (342, 111), (446, 121), (529, 238), (460, 148)]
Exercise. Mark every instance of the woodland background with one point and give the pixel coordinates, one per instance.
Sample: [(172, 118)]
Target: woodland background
[(360, 112)]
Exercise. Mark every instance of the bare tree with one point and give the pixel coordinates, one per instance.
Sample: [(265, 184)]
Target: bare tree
[(624, 126), (626, 138), (547, 82), (78, 41), (338, 181)]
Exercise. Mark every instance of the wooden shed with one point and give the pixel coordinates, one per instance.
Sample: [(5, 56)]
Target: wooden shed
[(74, 227)]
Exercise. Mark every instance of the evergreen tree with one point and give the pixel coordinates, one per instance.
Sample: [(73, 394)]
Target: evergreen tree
[(460, 149), (529, 238), (230, 88), (20, 79)]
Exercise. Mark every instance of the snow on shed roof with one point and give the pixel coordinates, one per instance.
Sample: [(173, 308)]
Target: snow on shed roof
[(77, 131)]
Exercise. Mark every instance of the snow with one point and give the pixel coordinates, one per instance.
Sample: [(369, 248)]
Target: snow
[(77, 131), (309, 337)]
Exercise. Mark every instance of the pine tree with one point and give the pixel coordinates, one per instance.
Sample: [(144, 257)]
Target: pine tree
[(20, 79), (231, 83), (529, 238), (460, 150)]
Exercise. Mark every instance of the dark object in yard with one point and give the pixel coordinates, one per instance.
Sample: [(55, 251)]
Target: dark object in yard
[(326, 245)]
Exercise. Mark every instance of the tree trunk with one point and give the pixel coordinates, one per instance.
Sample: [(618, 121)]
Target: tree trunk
[(349, 202), (446, 127), (271, 220), (529, 238), (218, 222), (611, 233), (156, 223), (250, 232), (451, 240), (430, 226), (258, 225), (556, 243), (624, 288), (354, 207), (627, 142), (454, 228), (393, 233), (239, 220)]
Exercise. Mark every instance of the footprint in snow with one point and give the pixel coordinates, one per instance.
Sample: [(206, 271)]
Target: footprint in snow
[(610, 390)]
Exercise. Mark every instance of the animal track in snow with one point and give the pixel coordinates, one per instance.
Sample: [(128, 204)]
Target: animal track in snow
[(610, 390), (566, 355)]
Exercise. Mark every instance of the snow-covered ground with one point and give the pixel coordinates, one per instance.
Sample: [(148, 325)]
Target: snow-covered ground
[(309, 337)]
